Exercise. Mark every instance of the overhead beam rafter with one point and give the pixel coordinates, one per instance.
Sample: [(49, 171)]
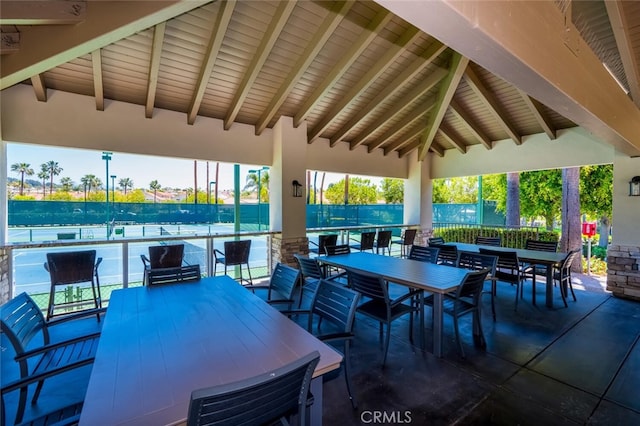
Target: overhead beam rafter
[(470, 124), (262, 53), (39, 87), (536, 109), (215, 41), (330, 23), (9, 42), (98, 88), (403, 141), (409, 36), (44, 47), (50, 12), (445, 94), (154, 68), (452, 139)]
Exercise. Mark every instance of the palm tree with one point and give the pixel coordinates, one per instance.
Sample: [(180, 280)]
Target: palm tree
[(90, 181), (23, 169), (252, 184), (125, 183), (154, 186), (53, 169), (43, 174), (66, 183)]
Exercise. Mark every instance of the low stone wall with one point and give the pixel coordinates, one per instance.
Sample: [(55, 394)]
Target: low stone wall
[(623, 276), (5, 285), (283, 250)]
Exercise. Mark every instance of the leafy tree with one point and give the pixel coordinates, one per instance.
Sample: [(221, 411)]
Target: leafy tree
[(66, 183), (135, 196), (571, 233), (90, 181), (251, 185), (392, 190), (455, 190), (125, 183), (596, 197), (494, 187), (513, 199), (155, 187), (53, 169), (541, 195), (23, 169), (61, 196), (360, 190), (44, 175)]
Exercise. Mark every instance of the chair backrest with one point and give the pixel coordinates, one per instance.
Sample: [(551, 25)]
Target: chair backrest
[(424, 254), (166, 256), (309, 267), (237, 252), (258, 400), (326, 240), (506, 259), (488, 241), (472, 285), (336, 304), (71, 267), (368, 285), (447, 254), (384, 239), (565, 266), (367, 239), (541, 245), (283, 281), (337, 249), (21, 320), (180, 274), (435, 240), (477, 261), (408, 236)]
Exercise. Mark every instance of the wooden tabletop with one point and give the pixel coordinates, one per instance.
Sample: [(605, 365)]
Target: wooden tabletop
[(159, 344), (413, 273)]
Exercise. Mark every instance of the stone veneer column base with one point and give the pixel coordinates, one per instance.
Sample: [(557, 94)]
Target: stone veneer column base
[(5, 285), (283, 250), (422, 236), (623, 266)]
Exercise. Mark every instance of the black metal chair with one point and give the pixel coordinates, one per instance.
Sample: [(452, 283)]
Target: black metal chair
[(312, 272), (447, 254), (332, 272), (73, 268), (323, 241), (406, 240), (236, 253), (479, 262), (424, 254), (21, 320), (282, 285), (488, 241), (383, 242), (367, 240), (162, 256), (508, 269), (260, 400), (381, 308), (466, 300), (562, 275), (531, 271), (179, 274), (435, 240)]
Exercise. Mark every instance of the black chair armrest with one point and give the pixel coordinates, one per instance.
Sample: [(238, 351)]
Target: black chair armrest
[(75, 315), (335, 337), (217, 252), (256, 287), (410, 295), (51, 346)]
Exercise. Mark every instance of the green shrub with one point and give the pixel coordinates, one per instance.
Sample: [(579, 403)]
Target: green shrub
[(515, 238)]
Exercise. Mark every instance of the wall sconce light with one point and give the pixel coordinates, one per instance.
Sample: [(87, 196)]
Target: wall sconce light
[(634, 187), (297, 188)]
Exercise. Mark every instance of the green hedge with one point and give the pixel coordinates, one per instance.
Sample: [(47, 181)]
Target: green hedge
[(515, 238)]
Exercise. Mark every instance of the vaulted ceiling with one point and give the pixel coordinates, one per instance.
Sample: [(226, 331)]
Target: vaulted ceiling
[(355, 72)]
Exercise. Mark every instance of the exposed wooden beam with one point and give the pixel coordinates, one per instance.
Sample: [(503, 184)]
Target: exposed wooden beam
[(405, 139), (413, 115), (536, 109), (452, 139), (491, 103), (389, 90), (622, 26), (45, 46), (401, 105), (215, 41), (154, 68), (368, 35), (330, 23), (409, 36), (50, 12), (9, 42), (262, 53), (542, 66), (39, 87), (98, 88), (445, 94), (470, 123)]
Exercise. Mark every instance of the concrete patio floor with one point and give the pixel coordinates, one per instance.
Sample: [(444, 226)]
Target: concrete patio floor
[(574, 365)]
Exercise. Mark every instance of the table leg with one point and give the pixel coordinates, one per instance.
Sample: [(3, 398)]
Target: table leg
[(438, 298), (549, 295)]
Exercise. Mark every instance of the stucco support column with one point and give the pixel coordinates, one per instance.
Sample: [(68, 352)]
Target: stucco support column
[(5, 276), (288, 213), (418, 190)]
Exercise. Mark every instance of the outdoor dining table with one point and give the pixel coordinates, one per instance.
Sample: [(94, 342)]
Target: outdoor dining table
[(158, 344), (533, 257), (437, 279)]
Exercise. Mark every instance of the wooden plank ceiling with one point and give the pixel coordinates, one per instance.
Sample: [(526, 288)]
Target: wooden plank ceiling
[(356, 73)]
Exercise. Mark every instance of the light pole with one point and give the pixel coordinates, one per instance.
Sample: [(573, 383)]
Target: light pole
[(106, 156), (259, 172), (113, 189)]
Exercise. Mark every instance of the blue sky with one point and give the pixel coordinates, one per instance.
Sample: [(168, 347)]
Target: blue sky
[(169, 172)]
